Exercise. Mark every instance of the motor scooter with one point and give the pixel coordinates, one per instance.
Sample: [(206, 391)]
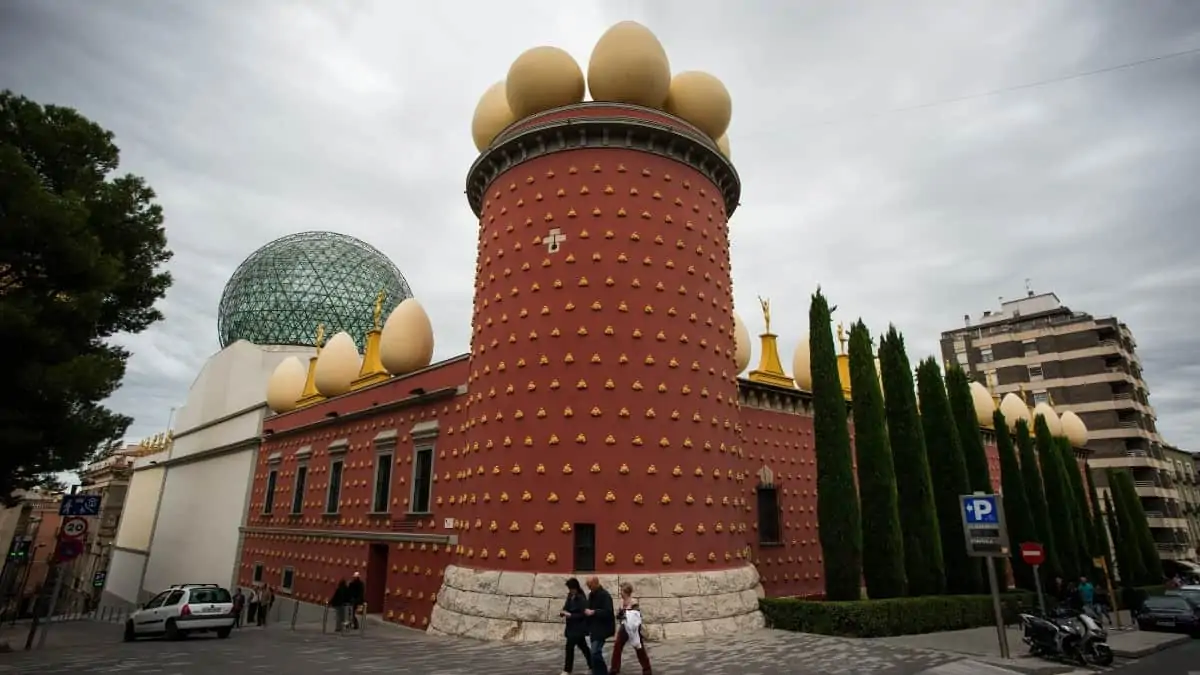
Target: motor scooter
[(1067, 635)]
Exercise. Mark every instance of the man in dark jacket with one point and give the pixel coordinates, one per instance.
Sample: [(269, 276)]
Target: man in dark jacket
[(354, 598), (576, 628), (602, 623)]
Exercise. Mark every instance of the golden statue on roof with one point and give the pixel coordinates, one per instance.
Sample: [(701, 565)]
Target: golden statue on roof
[(766, 310), (377, 313)]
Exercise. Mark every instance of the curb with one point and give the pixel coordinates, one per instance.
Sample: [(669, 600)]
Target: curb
[(1151, 649)]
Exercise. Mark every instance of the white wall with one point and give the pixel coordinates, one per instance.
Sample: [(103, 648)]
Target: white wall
[(124, 577), (232, 380), (197, 535), (141, 503)]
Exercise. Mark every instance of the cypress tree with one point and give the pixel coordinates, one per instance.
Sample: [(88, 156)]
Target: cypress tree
[(923, 563), (883, 543), (1084, 536), (966, 422), (837, 499), (1137, 571), (949, 472), (1099, 531), (1141, 529), (1031, 474), (1125, 564), (1017, 513), (1058, 499)]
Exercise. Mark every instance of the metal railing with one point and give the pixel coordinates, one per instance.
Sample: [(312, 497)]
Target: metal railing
[(355, 623)]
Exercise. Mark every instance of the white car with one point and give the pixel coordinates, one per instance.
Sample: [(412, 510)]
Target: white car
[(181, 610)]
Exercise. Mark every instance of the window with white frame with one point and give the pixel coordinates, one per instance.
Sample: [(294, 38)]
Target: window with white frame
[(1035, 372)]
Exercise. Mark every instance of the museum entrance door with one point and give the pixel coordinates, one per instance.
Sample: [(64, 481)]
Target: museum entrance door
[(377, 572)]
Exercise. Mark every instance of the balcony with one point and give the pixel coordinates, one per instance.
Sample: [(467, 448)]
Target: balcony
[(1174, 551), (1148, 489), (1133, 459)]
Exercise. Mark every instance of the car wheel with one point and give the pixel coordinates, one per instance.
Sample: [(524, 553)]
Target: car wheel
[(224, 632), (173, 632), (130, 636)]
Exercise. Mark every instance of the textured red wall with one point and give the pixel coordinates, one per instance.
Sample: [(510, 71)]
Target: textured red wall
[(602, 375)]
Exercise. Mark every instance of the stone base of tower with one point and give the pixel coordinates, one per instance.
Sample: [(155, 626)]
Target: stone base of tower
[(524, 606)]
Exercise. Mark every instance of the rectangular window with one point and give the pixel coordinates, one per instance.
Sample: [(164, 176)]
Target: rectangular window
[(258, 573), (422, 486), (335, 487), (962, 358), (768, 515), (1035, 372), (298, 495), (269, 500), (585, 547), (960, 345), (1030, 347), (1041, 397), (289, 577), (383, 483), (985, 355)]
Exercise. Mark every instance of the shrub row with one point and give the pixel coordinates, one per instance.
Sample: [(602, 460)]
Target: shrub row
[(1132, 597), (895, 616)]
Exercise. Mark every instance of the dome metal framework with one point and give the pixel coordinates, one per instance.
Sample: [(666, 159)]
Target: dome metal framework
[(284, 290)]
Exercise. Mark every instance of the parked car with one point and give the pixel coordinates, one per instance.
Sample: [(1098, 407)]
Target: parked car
[(181, 610), (1171, 612)]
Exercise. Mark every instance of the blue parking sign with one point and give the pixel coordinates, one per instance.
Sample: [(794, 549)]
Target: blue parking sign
[(79, 505), (980, 509)]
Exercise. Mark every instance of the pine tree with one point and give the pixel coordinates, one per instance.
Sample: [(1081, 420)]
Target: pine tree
[(1099, 531), (950, 482), (1031, 473), (966, 422), (1137, 569), (883, 543), (837, 498), (1084, 536), (1058, 500), (923, 564), (1018, 515), (1143, 538)]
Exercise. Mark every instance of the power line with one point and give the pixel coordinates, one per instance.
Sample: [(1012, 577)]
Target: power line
[(1019, 87)]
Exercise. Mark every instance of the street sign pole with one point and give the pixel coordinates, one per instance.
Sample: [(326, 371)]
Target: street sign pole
[(1037, 581), (987, 538), (1001, 630)]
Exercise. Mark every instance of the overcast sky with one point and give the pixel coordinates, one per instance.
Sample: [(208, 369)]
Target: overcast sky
[(255, 119)]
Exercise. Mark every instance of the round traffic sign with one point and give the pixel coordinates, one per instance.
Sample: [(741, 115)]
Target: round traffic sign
[(1033, 553), (69, 549), (74, 527)]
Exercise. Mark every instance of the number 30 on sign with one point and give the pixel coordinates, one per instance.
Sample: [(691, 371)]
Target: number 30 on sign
[(74, 528)]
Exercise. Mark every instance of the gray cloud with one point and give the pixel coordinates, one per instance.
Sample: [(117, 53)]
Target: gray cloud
[(268, 118)]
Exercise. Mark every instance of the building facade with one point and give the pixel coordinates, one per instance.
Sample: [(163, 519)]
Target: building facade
[(1183, 473), (1042, 350)]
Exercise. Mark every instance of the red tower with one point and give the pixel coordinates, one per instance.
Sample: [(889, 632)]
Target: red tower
[(602, 429)]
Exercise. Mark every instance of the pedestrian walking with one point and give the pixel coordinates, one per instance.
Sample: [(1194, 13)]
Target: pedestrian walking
[(629, 631), (601, 622), (239, 606), (265, 599), (252, 607), (356, 593), (338, 602), (576, 628)]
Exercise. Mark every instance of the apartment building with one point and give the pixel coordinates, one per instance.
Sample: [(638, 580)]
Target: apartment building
[(1183, 471), (1042, 349)]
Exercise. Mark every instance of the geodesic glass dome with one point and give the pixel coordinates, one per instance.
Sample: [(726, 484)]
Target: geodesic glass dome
[(284, 290)]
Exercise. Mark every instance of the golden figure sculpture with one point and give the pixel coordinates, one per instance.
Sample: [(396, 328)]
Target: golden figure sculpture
[(377, 314), (320, 335), (766, 310), (841, 336)]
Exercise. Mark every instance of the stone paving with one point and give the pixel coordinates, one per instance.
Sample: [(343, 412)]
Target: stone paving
[(87, 647)]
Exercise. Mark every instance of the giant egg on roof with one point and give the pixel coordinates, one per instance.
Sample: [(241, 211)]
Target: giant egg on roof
[(629, 65), (701, 99), (540, 79)]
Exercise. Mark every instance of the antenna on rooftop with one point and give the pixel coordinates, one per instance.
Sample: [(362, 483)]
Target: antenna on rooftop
[(1028, 287)]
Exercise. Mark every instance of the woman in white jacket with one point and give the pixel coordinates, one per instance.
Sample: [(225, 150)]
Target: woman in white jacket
[(630, 632)]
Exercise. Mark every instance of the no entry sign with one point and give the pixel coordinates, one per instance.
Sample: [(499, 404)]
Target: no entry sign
[(1033, 553)]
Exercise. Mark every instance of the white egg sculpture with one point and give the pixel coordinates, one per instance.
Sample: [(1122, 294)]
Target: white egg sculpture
[(741, 344), (723, 146), (1074, 429), (286, 385), (543, 78), (1014, 409), (337, 366), (1052, 421), (629, 65), (984, 405), (492, 115), (406, 343), (802, 365)]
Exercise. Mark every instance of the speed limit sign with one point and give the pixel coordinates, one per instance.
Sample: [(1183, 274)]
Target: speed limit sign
[(74, 528)]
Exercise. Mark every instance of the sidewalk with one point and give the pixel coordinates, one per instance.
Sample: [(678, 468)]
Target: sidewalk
[(1128, 643)]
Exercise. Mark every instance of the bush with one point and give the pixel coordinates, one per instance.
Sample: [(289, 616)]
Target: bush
[(1132, 597), (893, 616)]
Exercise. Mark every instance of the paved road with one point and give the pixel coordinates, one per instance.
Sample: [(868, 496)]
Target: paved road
[(84, 648), (1182, 660)]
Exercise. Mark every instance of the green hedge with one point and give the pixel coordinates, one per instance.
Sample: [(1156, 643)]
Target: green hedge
[(895, 616), (1132, 597)]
